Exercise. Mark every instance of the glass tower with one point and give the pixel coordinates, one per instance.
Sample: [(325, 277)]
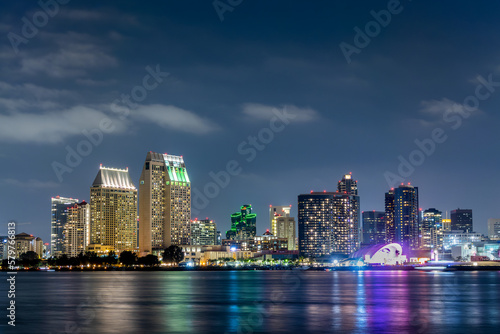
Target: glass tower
[(59, 213)]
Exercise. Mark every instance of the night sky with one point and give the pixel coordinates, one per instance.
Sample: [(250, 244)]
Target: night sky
[(421, 75)]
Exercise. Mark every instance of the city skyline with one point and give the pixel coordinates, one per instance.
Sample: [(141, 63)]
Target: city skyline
[(287, 96)]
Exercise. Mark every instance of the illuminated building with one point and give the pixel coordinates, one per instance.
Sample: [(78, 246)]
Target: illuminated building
[(432, 229), (390, 228), (243, 224), (285, 228), (348, 185), (4, 248), (453, 238), (461, 220), (373, 227), (402, 211), (59, 210), (446, 224), (164, 203), (24, 243), (274, 213), (328, 223), (494, 228), (382, 254), (113, 211), (77, 229), (203, 232)]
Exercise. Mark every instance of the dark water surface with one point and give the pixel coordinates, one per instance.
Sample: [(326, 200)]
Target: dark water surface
[(255, 302)]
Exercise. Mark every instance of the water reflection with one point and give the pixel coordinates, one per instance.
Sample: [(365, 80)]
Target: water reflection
[(253, 302)]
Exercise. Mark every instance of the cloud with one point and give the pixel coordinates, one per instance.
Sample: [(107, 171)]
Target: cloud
[(31, 96), (171, 117), (51, 127), (30, 183), (75, 54), (264, 112), (439, 107)]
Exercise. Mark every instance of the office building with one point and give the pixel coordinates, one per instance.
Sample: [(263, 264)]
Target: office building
[(274, 213), (164, 203), (243, 224), (203, 232), (285, 228), (461, 220), (59, 211), (432, 229), (373, 227), (402, 217), (348, 185), (453, 238), (24, 243), (390, 227), (77, 229), (113, 211), (446, 224)]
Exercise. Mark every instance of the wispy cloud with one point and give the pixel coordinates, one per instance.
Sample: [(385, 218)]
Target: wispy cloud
[(265, 112), (32, 183), (51, 127), (174, 118)]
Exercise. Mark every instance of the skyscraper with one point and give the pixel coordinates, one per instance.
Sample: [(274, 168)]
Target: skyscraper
[(348, 185), (113, 211), (390, 228), (59, 211), (285, 228), (373, 227), (432, 229), (164, 203), (494, 228), (461, 220), (329, 221), (77, 229), (243, 224), (274, 213), (203, 232), (406, 217)]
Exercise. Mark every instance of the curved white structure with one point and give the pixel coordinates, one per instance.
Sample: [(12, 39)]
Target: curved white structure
[(385, 254)]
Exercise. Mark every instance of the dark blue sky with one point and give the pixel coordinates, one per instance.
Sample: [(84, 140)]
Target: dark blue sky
[(226, 78)]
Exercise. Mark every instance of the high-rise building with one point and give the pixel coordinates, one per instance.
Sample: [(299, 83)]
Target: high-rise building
[(390, 227), (203, 232), (285, 228), (432, 229), (406, 217), (348, 185), (461, 220), (373, 227), (494, 228), (77, 229), (113, 211), (59, 213), (218, 240), (243, 224), (24, 243), (164, 203), (328, 223), (274, 213)]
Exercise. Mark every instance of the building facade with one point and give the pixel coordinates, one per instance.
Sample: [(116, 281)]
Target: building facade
[(285, 228), (203, 232), (113, 211), (432, 229), (461, 220), (328, 223), (404, 214), (77, 229), (390, 227), (373, 227), (274, 213), (243, 224), (494, 228), (59, 218), (164, 203)]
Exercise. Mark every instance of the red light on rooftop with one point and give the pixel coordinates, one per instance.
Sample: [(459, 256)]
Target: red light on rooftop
[(311, 191), (290, 205), (324, 191), (206, 218), (350, 173), (270, 205), (402, 184)]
